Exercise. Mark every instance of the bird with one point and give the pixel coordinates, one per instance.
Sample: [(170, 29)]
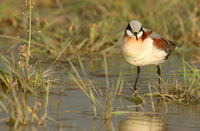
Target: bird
[(141, 47)]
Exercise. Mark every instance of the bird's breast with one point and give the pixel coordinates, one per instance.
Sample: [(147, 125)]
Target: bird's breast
[(134, 58), (141, 53)]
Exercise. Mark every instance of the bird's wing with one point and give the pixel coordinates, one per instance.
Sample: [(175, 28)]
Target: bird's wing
[(162, 43)]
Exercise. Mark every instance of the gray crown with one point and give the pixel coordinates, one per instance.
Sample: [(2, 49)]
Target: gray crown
[(135, 25)]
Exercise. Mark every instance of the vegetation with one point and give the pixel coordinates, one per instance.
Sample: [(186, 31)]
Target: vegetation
[(95, 26), (22, 81), (60, 28), (89, 89), (186, 91)]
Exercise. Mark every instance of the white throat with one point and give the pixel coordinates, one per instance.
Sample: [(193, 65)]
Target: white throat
[(140, 34), (132, 35)]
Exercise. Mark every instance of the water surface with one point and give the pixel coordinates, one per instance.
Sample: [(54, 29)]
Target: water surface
[(72, 110)]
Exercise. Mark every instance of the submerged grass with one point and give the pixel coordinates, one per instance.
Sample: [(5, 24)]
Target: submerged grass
[(20, 82), (112, 90), (87, 87)]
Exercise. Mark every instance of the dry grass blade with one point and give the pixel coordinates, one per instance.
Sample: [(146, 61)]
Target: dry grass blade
[(121, 85), (152, 103), (83, 87), (93, 87), (60, 53), (109, 93)]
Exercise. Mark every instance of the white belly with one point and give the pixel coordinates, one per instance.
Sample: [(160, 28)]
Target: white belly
[(142, 59), (147, 54)]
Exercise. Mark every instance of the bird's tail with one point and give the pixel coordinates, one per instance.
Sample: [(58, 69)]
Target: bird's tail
[(173, 44)]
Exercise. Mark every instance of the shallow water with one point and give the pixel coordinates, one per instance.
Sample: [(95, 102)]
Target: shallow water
[(72, 111)]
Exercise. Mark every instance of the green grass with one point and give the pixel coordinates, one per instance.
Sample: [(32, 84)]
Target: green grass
[(181, 91), (88, 88), (110, 92), (21, 81), (60, 29), (95, 26)]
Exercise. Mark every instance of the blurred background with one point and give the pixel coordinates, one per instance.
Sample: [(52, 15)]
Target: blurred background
[(95, 26)]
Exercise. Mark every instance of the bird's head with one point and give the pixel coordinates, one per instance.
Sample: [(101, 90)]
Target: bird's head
[(134, 29)]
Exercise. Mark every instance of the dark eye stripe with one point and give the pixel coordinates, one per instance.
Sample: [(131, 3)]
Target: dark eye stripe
[(140, 29), (128, 27)]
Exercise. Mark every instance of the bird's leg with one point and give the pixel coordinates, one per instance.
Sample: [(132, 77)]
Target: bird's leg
[(138, 73), (159, 74)]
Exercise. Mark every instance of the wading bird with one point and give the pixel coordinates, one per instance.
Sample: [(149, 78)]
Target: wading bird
[(142, 47)]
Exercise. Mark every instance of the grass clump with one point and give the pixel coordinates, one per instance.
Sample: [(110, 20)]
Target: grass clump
[(22, 81), (187, 90)]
